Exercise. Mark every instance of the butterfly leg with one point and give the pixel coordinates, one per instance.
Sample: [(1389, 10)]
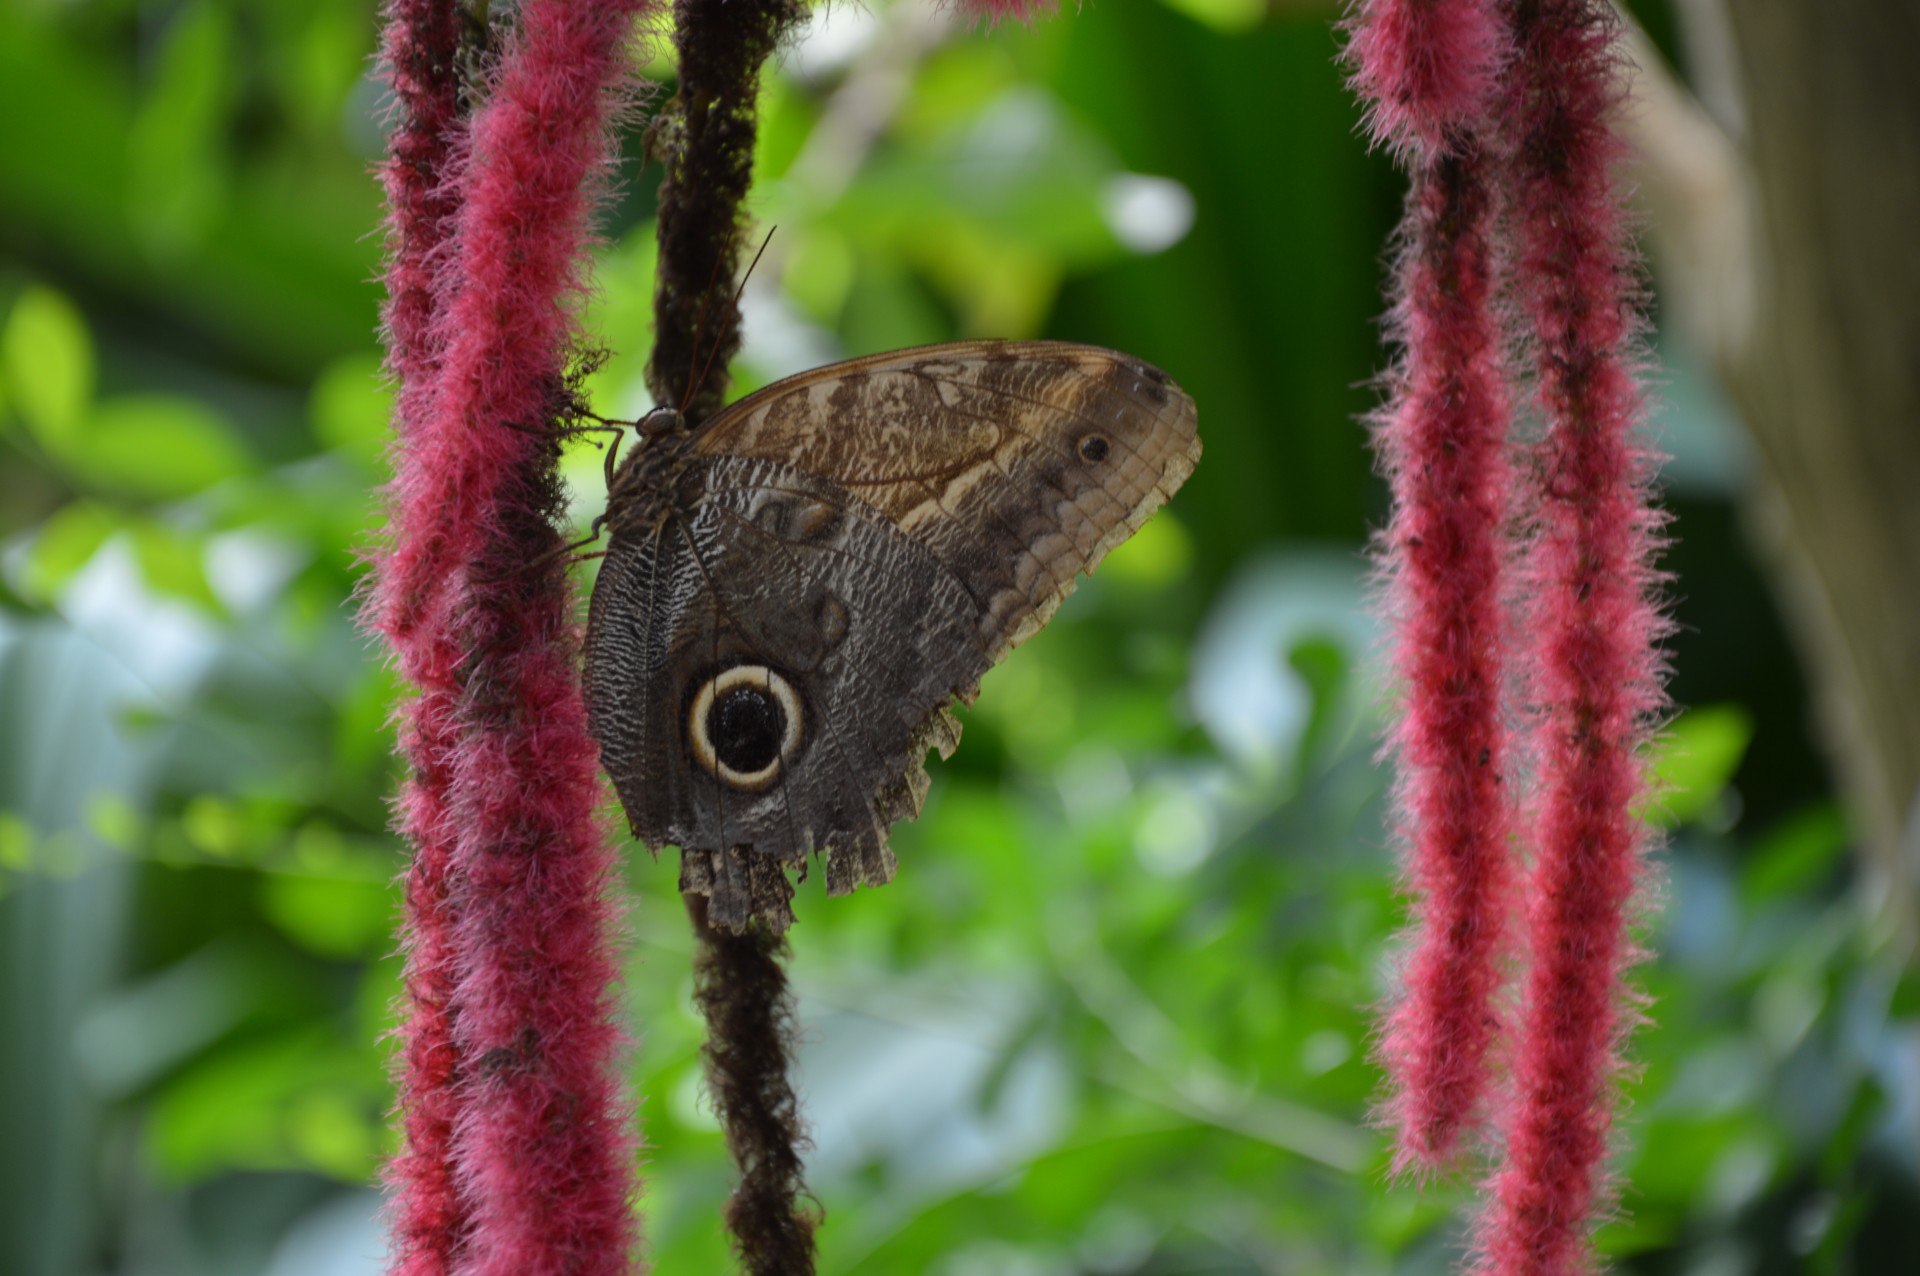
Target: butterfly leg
[(563, 551)]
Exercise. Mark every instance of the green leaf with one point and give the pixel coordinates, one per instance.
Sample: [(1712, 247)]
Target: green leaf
[(214, 827), (176, 178), (1223, 15), (16, 842), (1696, 758), (1676, 1156), (1153, 558), (329, 1129), (116, 821), (1905, 1002), (174, 564), (67, 542), (1797, 855), (260, 1105), (333, 916), (47, 363), (351, 406), (157, 446)]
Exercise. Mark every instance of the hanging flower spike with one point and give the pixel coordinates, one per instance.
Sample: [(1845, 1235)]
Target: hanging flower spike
[(1442, 444), (419, 51), (1443, 447), (545, 1150), (505, 775), (1425, 68), (1592, 672)]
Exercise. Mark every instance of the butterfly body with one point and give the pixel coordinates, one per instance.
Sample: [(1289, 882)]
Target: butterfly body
[(796, 591)]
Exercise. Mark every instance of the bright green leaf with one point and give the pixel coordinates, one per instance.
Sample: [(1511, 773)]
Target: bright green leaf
[(323, 61), (47, 362), (159, 447), (351, 406), (333, 916), (1696, 758), (214, 826), (1223, 15), (331, 1129), (253, 1106), (174, 564), (1152, 558), (16, 842), (67, 542)]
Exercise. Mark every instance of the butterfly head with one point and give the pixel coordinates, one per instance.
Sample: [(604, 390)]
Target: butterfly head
[(661, 422)]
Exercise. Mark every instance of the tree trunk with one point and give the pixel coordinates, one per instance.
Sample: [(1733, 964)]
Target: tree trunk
[(1787, 244)]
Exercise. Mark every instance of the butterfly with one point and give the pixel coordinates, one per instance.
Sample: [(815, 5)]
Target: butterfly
[(796, 592)]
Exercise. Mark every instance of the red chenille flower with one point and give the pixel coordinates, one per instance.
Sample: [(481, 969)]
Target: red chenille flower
[(520, 1148), (1442, 442), (1592, 675)]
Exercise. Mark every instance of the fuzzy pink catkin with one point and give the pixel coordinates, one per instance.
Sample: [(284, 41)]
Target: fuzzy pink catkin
[(545, 1149), (1442, 444), (505, 777), (1592, 672), (1425, 68), (427, 1217)]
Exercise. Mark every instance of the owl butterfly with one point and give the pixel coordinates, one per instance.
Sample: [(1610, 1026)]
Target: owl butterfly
[(795, 592)]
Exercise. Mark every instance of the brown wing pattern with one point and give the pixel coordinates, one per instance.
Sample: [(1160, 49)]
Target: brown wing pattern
[(775, 568), (872, 537), (1018, 464)]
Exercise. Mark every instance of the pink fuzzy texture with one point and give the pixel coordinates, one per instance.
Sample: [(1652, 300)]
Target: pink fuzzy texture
[(428, 1217), (998, 11), (1592, 672), (511, 1096), (1425, 68), (1443, 444), (1584, 591)]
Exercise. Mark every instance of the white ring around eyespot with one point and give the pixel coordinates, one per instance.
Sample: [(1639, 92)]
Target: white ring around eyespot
[(726, 680)]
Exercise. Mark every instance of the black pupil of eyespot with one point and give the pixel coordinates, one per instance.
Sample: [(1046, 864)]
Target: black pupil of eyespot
[(1093, 448), (746, 726)]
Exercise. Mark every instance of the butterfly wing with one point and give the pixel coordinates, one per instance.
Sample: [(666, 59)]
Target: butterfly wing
[(813, 610), (774, 645), (1017, 464)]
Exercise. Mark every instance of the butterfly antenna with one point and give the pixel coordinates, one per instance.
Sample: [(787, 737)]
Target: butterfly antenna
[(737, 294)]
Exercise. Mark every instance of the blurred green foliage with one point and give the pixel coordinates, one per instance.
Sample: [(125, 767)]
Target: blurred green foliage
[(1113, 1016)]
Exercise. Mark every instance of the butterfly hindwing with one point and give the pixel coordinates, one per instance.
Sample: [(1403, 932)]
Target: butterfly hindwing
[(862, 632), (795, 593)]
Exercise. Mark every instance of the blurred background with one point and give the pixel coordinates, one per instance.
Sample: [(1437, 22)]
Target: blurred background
[(1112, 1016)]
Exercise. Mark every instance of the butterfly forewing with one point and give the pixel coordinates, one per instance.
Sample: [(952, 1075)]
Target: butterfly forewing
[(1019, 464), (794, 594)]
